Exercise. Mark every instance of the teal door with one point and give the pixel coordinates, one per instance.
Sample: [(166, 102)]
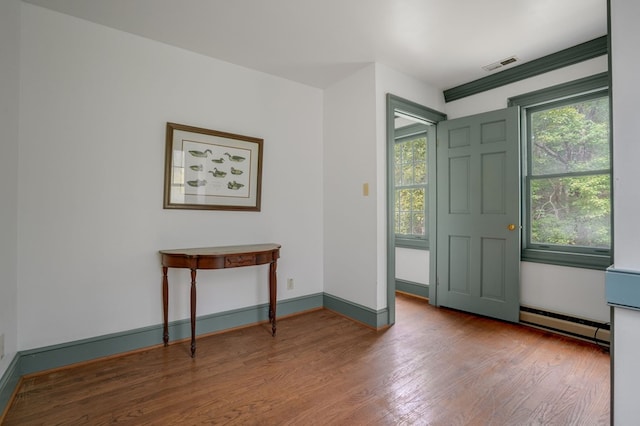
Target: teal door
[(478, 214)]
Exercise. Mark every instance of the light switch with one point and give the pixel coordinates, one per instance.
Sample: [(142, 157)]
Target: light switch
[(365, 189)]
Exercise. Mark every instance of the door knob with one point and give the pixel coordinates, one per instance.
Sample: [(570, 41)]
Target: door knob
[(511, 227)]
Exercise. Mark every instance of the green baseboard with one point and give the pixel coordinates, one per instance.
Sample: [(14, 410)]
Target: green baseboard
[(46, 358), (8, 382), (410, 287), (368, 316)]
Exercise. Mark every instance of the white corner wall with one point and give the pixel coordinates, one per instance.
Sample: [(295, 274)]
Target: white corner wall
[(9, 100), (625, 68), (350, 218), (571, 291), (94, 104), (355, 154)]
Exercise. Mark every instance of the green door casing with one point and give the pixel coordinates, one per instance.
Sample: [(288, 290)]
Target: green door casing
[(478, 214)]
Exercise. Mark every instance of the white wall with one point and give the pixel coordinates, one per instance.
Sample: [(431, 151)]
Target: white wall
[(625, 372), (625, 68), (94, 103), (350, 222), (9, 99), (412, 265), (572, 291)]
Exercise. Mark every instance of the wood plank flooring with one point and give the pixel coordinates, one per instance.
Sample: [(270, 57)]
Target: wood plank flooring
[(434, 367)]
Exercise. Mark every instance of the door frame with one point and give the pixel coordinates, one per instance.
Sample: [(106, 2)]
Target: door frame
[(430, 115)]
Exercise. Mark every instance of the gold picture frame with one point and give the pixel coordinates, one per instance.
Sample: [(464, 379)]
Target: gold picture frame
[(211, 170)]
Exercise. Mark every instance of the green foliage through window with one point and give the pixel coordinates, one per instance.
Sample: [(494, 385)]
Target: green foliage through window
[(569, 177), (410, 186)]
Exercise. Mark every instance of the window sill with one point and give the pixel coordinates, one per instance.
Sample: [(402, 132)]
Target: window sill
[(412, 243), (575, 260)]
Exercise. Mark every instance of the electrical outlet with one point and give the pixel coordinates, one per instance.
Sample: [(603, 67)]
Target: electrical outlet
[(289, 283), (1, 346)]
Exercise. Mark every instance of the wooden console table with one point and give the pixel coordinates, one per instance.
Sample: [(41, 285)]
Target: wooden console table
[(218, 258)]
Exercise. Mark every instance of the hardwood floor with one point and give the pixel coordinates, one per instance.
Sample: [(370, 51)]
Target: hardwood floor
[(434, 367)]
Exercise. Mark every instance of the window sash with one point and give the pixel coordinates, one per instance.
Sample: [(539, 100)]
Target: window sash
[(574, 221), (558, 96), (402, 182)]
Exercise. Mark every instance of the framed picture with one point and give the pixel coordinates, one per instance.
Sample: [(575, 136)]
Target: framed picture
[(208, 169)]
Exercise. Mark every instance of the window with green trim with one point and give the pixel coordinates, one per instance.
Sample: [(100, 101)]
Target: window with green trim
[(411, 187), (567, 180)]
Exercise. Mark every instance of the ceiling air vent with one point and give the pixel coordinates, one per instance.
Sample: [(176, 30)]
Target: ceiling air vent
[(500, 64)]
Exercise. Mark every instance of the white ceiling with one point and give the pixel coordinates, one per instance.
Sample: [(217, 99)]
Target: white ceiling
[(318, 42)]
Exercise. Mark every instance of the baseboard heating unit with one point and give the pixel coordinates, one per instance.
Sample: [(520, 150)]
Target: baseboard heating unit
[(581, 328)]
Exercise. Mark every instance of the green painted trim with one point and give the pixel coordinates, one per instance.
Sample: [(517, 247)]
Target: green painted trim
[(411, 108), (368, 316), (83, 350), (9, 381), (416, 289), (412, 243), (622, 288), (46, 358), (574, 260), (392, 103), (581, 52), (613, 225), (597, 82), (409, 132)]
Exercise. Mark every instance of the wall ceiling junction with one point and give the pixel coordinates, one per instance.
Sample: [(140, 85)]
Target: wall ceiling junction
[(440, 42)]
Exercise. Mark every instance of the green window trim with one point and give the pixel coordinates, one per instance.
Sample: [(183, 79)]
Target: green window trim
[(562, 258), (556, 96), (412, 243), (573, 55)]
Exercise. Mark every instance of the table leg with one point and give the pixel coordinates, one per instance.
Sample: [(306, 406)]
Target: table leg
[(273, 291), (193, 313), (165, 305)]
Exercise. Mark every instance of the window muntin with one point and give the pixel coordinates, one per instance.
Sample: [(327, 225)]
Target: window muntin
[(568, 181), (410, 186)]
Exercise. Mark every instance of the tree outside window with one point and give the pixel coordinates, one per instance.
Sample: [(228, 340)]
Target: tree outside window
[(569, 177), (410, 188)]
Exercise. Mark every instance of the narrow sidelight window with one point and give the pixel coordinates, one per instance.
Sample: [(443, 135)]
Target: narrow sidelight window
[(411, 186)]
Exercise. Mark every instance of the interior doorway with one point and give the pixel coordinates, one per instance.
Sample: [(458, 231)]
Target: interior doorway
[(474, 210), (411, 199)]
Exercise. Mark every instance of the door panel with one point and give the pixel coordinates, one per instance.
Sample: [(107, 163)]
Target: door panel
[(478, 198), (460, 250), (459, 185)]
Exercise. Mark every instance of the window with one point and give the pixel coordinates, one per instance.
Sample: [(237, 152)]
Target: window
[(411, 164), (410, 185), (567, 177)]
